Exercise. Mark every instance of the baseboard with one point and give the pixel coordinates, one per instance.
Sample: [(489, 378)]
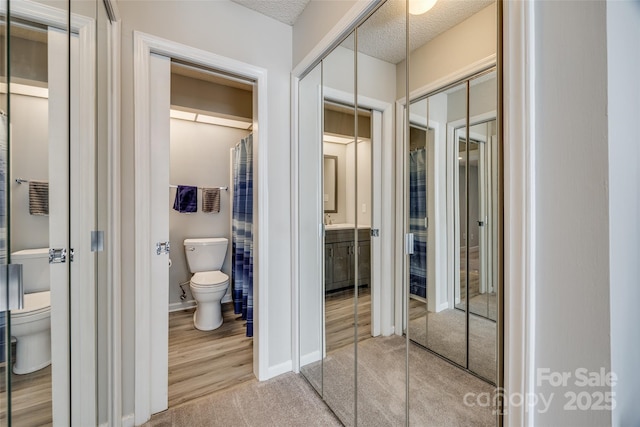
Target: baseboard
[(182, 305), (310, 358), (280, 369), (129, 420), (443, 306)]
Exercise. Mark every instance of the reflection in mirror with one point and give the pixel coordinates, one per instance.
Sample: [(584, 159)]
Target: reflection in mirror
[(330, 185), (482, 252), (381, 354), (311, 298), (338, 81)]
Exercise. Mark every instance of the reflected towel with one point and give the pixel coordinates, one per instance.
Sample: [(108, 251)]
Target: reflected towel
[(211, 200), (38, 198), (186, 199)]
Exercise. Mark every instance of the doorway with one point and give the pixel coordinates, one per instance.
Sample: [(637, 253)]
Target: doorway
[(153, 104), (211, 122)]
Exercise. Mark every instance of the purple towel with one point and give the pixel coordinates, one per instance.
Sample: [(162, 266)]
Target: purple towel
[(186, 199)]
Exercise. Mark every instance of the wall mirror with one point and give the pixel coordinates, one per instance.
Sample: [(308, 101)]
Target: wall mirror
[(330, 186)]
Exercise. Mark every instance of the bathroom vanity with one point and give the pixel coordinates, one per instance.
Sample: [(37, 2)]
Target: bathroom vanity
[(339, 264)]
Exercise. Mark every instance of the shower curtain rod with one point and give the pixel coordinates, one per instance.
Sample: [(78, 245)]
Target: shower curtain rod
[(200, 188)]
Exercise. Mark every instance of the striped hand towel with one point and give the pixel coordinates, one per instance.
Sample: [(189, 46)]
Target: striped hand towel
[(211, 200), (38, 198)]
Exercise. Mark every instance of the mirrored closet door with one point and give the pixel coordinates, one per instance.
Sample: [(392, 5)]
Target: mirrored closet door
[(398, 168)]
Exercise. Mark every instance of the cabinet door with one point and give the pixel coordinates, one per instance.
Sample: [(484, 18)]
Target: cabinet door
[(328, 267), (342, 264), (364, 262)]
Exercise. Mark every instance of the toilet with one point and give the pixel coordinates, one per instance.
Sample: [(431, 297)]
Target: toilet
[(31, 326), (208, 284)]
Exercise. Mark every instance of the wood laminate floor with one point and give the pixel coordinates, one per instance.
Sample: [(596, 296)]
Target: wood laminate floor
[(340, 315), (203, 362), (30, 398)]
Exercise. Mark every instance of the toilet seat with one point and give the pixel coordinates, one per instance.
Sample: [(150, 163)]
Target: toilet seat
[(35, 304), (206, 279)]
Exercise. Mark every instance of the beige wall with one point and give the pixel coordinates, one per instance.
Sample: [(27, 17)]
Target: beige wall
[(199, 156), (474, 39), (233, 31), (29, 160)]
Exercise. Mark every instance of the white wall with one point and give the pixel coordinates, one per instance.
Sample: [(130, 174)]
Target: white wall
[(623, 58), (572, 314), (29, 160), (200, 157), (233, 31), (315, 21)]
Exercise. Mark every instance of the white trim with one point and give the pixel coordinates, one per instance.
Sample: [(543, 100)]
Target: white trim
[(295, 223), (280, 369), (144, 46), (114, 296), (519, 207), (182, 305), (128, 420)]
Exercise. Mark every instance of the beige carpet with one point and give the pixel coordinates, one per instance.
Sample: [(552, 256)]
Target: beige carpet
[(437, 388), (287, 400), (446, 337)]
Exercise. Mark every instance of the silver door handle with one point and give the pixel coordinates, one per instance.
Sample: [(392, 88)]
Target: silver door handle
[(57, 256), (11, 289), (408, 244)]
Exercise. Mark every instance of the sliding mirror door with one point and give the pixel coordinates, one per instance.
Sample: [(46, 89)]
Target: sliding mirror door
[(340, 262), (311, 287), (381, 363), (482, 243)]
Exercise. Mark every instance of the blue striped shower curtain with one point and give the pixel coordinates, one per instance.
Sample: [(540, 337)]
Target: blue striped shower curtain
[(243, 231), (417, 215)]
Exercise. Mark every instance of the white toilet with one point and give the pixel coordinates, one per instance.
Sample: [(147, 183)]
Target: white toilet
[(31, 326), (208, 284)]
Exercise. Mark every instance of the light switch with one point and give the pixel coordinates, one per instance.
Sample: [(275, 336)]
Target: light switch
[(364, 208), (326, 198)]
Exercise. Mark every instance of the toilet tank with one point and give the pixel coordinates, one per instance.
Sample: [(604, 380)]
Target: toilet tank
[(206, 254), (35, 269)]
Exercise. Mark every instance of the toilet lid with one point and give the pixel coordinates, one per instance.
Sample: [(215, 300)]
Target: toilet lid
[(205, 278), (35, 302)]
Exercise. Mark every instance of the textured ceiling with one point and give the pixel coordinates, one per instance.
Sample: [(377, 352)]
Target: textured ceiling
[(383, 34), (286, 11)]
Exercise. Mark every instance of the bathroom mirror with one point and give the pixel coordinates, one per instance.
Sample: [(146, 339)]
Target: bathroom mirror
[(330, 196)]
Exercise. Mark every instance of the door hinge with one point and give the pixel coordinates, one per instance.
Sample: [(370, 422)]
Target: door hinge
[(375, 232), (163, 248), (57, 256)]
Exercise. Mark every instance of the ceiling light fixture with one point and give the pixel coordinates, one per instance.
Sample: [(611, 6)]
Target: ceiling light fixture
[(418, 7)]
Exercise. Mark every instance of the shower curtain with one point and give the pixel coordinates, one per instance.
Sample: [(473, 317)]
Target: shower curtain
[(242, 231), (417, 225)]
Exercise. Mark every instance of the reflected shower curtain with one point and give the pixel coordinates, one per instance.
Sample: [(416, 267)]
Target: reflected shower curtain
[(417, 222), (242, 231)]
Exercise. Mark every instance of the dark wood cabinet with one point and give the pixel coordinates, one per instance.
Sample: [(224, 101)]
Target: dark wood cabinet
[(339, 260)]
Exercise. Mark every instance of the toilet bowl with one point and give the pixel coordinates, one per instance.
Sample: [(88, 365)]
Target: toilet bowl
[(208, 288), (31, 327), (208, 284)]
